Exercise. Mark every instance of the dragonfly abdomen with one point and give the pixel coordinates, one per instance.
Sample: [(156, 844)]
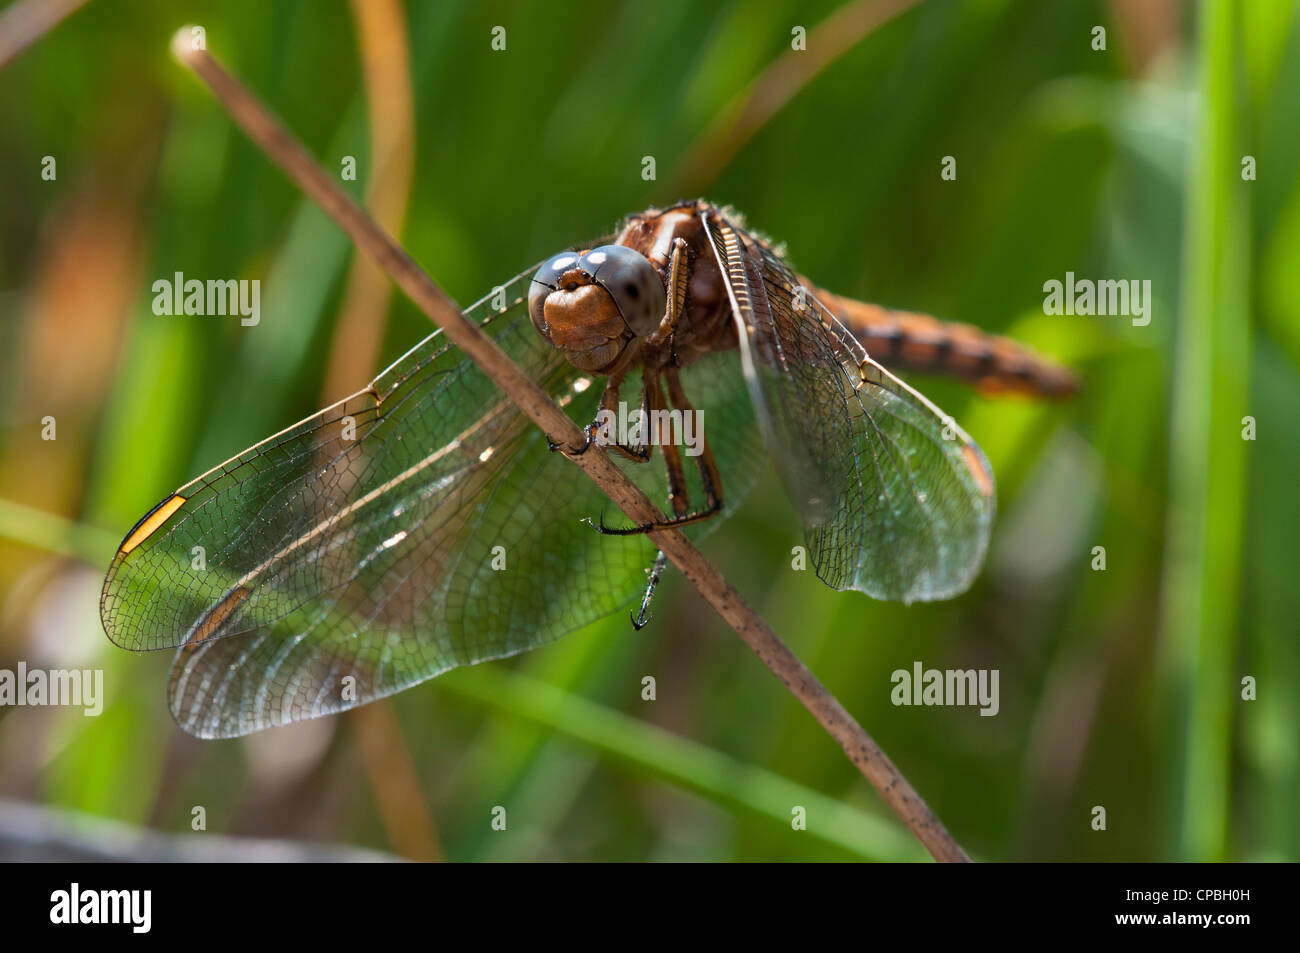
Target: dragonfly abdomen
[(908, 341)]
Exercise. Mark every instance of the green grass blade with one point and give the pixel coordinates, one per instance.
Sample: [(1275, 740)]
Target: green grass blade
[(1208, 457), (684, 763)]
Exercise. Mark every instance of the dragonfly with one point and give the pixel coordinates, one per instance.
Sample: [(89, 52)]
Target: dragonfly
[(424, 523)]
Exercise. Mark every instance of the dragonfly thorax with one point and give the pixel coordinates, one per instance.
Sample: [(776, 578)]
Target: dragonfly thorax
[(592, 304)]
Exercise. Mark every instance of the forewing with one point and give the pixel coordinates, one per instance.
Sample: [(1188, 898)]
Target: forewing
[(290, 518), (897, 501), (419, 525)]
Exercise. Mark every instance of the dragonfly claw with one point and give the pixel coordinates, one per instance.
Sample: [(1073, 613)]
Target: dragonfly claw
[(640, 620), (568, 451), (600, 527), (605, 530)]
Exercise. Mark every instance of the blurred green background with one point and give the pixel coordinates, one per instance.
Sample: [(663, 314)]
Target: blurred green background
[(1120, 688)]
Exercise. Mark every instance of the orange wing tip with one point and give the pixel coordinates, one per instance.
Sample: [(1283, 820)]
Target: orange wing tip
[(150, 523), (978, 469)]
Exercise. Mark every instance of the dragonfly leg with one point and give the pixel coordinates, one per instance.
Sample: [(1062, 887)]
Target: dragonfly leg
[(677, 493), (608, 408), (642, 453), (710, 477), (656, 570), (678, 273)]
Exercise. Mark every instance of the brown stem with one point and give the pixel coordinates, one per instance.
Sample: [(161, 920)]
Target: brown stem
[(25, 22), (742, 118), (286, 152)]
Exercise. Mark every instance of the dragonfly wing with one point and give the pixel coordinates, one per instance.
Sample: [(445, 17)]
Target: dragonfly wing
[(255, 538), (897, 501), (419, 525), (500, 567), (492, 565)]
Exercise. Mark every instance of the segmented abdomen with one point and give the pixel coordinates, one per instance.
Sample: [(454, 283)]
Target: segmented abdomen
[(905, 340)]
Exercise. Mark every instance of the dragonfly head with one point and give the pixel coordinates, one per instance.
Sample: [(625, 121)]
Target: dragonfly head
[(591, 304)]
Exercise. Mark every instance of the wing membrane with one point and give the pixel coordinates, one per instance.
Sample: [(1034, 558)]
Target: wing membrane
[(285, 519), (419, 525), (897, 501)]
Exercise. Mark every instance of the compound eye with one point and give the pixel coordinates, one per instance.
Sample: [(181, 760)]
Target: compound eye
[(546, 280), (632, 282)]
